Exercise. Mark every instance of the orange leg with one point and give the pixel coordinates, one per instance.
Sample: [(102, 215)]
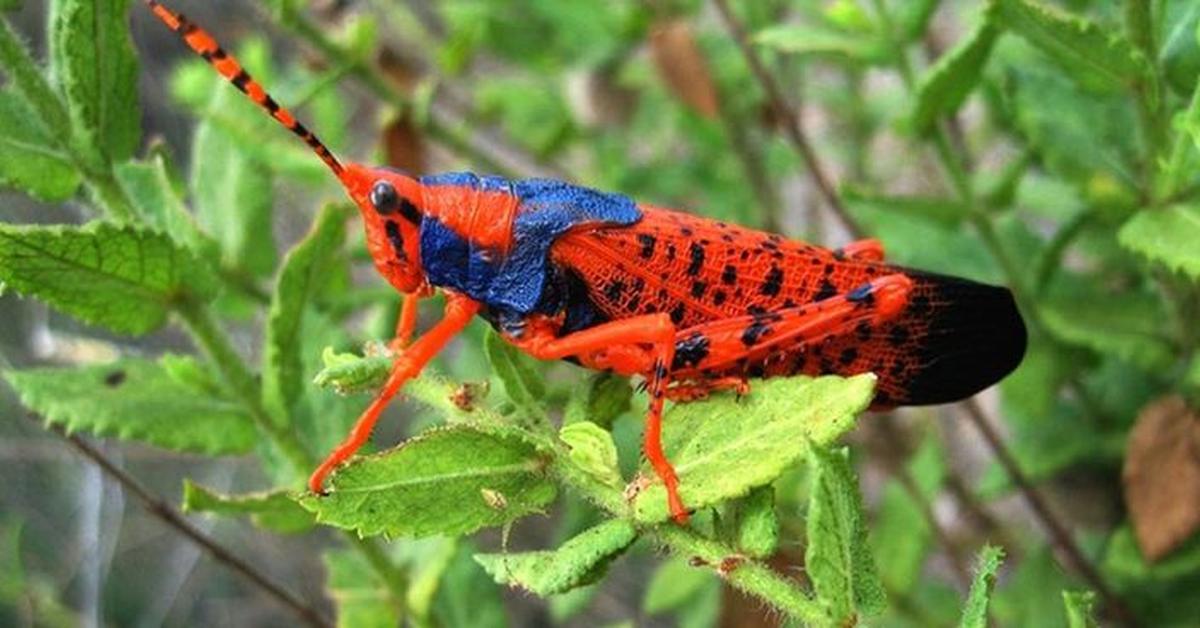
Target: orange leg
[(459, 311), (869, 250), (700, 389), (406, 324), (593, 346)]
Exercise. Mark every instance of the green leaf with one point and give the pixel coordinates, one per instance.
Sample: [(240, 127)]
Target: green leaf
[(448, 481), (30, 159), (1180, 54), (1094, 57), (28, 78), (361, 597), (305, 270), (674, 584), (1167, 237), (593, 450), (515, 370), (123, 278), (750, 524), (1080, 606), (975, 611), (232, 192), (944, 211), (271, 510), (838, 556), (1126, 325), (348, 373), (427, 561), (1123, 560), (912, 18), (600, 400), (945, 86), (96, 66), (807, 40), (154, 197), (467, 596), (725, 446), (580, 561), (134, 399)]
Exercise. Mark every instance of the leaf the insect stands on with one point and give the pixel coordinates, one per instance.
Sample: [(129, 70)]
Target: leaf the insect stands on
[(269, 510), (838, 556), (124, 278), (580, 561), (445, 481), (140, 400), (725, 446), (975, 611)]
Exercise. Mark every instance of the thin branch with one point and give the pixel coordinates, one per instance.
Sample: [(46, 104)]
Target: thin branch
[(791, 121), (168, 515)]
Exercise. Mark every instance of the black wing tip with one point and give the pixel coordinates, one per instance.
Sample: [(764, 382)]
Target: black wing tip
[(977, 338)]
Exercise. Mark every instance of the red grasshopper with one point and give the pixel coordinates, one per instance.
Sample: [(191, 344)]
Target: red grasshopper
[(692, 305)]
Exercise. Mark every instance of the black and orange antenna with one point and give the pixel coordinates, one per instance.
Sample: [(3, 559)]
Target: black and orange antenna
[(206, 46)]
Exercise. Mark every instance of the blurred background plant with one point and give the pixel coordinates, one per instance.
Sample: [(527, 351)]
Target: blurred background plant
[(1048, 146)]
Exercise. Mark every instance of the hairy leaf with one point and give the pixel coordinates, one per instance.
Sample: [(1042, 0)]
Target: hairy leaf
[(1088, 53), (134, 399), (750, 524), (123, 278), (593, 450), (725, 446), (975, 611), (1166, 236), (349, 373), (578, 562), (96, 66), (945, 86), (838, 556), (361, 597), (271, 510), (446, 481), (1080, 606), (30, 159), (304, 271)]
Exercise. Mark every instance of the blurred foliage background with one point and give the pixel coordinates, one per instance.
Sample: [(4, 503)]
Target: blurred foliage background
[(1047, 146)]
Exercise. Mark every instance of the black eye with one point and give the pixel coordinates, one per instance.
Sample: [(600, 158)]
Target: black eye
[(383, 196)]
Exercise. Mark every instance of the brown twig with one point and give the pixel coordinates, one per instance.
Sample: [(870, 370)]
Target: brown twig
[(791, 121), (168, 515), (1060, 537)]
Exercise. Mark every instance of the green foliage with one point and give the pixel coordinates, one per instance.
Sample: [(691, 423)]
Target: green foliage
[(272, 510), (169, 404), (975, 612), (593, 450), (578, 562), (838, 555), (447, 481), (29, 158), (515, 371), (124, 278), (1080, 608), (361, 596), (956, 73), (1167, 236), (750, 523)]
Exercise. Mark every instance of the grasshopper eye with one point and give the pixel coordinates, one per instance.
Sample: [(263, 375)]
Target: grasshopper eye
[(384, 198)]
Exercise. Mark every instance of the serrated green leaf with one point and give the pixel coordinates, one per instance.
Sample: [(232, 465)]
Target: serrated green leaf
[(1094, 57), (1079, 606), (159, 205), (134, 399), (580, 561), (673, 584), (975, 611), (272, 510), (600, 400), (304, 272), (361, 598), (96, 67), (30, 159), (1127, 326), (448, 481), (1166, 236), (515, 370), (811, 41), (838, 556), (945, 86), (593, 450), (231, 191), (750, 524), (124, 278), (724, 446)]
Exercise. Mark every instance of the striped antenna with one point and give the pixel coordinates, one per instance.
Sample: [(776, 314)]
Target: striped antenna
[(204, 45)]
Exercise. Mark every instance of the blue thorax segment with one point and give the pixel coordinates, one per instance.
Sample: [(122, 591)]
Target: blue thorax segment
[(516, 281)]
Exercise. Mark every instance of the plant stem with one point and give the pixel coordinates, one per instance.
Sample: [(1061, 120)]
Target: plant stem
[(164, 512)]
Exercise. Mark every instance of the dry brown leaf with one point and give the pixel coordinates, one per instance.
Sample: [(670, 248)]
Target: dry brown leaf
[(1162, 476), (403, 145), (683, 67)]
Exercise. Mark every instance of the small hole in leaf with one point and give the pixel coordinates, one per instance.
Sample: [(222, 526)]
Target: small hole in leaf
[(114, 379)]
